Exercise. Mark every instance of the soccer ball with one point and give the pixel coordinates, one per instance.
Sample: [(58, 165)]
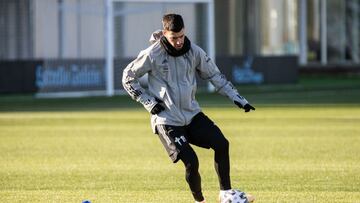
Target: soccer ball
[(233, 196)]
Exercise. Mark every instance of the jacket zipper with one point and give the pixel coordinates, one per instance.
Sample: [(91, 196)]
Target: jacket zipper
[(177, 83)]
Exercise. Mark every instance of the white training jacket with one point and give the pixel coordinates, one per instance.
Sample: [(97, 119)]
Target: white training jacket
[(173, 81)]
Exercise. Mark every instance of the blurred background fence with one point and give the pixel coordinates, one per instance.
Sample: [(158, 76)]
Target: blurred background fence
[(59, 47)]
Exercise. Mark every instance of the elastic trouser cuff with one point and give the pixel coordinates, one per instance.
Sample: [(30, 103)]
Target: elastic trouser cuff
[(198, 196)]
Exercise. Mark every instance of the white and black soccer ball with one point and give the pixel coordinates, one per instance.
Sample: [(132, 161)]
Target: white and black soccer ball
[(234, 196)]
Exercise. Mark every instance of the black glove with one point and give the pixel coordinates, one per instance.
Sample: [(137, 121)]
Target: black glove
[(158, 107), (247, 106)]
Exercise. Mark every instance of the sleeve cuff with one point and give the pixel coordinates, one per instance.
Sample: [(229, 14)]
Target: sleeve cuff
[(240, 99)]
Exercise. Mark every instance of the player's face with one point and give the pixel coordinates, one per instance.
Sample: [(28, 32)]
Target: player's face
[(176, 39)]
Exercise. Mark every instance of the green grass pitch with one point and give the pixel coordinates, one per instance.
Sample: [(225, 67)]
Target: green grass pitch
[(299, 145)]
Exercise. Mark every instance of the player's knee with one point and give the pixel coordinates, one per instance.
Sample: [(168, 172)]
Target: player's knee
[(192, 164), (192, 167), (221, 144), (190, 160)]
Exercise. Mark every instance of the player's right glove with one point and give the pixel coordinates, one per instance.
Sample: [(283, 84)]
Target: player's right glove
[(158, 107)]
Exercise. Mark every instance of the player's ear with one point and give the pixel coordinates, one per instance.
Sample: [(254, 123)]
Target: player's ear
[(165, 33)]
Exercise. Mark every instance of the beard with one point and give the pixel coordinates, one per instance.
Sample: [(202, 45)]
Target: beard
[(178, 47)]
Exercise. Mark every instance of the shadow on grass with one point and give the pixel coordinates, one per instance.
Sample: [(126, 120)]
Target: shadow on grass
[(319, 90), (284, 97), (30, 103)]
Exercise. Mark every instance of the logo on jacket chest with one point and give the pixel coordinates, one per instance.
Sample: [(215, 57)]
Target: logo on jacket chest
[(181, 66), (164, 68)]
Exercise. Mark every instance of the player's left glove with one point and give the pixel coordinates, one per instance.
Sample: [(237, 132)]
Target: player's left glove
[(247, 107)]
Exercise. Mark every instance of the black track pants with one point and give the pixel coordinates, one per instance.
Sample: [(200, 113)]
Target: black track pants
[(204, 133)]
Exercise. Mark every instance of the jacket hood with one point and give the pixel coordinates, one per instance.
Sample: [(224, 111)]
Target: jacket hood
[(155, 36)]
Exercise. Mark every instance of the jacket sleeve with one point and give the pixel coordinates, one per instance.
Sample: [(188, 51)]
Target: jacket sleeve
[(208, 70), (130, 80)]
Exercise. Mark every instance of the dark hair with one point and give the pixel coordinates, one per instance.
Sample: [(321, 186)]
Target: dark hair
[(173, 22)]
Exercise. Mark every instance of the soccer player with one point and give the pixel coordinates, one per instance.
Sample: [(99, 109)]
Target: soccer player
[(172, 63)]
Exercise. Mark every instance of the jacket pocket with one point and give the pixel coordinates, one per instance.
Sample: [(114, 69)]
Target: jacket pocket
[(165, 97), (193, 93)]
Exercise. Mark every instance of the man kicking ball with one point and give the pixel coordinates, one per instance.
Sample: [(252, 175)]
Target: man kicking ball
[(172, 63)]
